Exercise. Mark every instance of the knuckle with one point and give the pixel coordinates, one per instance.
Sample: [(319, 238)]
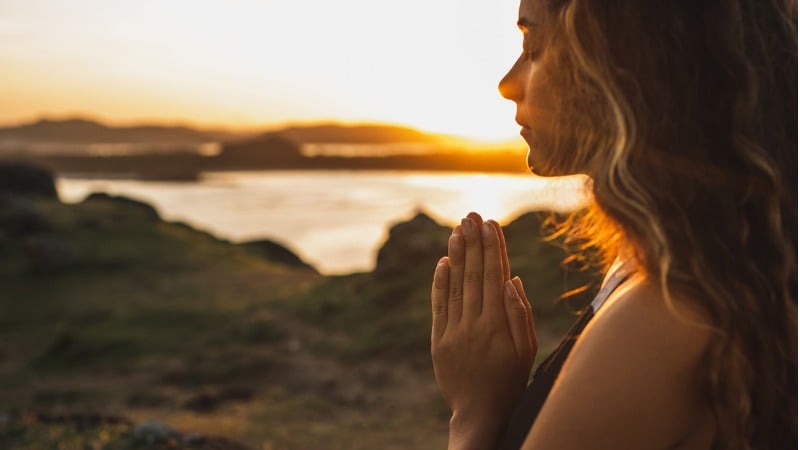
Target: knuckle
[(472, 276), (439, 282), (470, 242), (437, 352), (455, 252), (443, 347), (493, 274), (439, 308), (486, 332), (518, 311), (455, 294), (456, 258)]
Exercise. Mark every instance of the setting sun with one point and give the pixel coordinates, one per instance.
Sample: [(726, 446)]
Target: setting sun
[(434, 66)]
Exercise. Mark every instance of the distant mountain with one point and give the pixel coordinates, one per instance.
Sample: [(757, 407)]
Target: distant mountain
[(265, 151), (83, 131), (359, 134), (78, 131)]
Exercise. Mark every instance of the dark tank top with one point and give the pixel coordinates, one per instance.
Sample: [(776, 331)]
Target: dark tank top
[(545, 376)]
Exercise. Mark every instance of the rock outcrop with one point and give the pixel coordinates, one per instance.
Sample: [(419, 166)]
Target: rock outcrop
[(417, 242), (21, 185), (27, 180), (129, 205), (268, 151), (274, 252)]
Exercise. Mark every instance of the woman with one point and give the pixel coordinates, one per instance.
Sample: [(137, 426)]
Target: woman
[(683, 114)]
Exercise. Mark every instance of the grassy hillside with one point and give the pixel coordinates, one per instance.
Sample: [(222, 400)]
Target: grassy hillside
[(110, 317)]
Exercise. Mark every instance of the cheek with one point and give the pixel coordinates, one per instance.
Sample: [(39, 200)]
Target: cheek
[(553, 150), (542, 110), (540, 99)]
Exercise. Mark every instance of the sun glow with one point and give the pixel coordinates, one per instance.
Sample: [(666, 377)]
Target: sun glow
[(501, 198), (431, 65)]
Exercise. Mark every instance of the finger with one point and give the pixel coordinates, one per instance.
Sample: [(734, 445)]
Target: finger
[(517, 320), (476, 218), (531, 328), (439, 299), (503, 250), (455, 257), (473, 270), (492, 307)]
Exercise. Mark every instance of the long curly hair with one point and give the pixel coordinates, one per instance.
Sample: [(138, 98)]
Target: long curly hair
[(684, 115)]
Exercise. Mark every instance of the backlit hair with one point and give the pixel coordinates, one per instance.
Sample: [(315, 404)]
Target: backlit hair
[(684, 114)]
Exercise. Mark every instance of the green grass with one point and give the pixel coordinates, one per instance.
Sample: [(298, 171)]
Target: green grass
[(154, 319)]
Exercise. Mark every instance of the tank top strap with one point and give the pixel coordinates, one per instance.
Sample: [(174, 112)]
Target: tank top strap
[(617, 274)]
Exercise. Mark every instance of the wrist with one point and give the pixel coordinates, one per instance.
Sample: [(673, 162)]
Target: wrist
[(474, 431)]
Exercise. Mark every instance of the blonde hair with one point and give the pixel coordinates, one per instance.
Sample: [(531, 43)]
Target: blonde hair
[(684, 115)]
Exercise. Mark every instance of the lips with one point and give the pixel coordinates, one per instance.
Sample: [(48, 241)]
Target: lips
[(526, 131), (522, 123), (530, 138)]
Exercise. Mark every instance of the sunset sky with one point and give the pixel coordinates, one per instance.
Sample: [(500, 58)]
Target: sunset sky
[(434, 65)]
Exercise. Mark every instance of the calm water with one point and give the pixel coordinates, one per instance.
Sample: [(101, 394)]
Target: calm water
[(335, 220)]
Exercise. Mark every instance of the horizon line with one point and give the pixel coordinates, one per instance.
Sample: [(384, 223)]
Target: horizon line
[(231, 128)]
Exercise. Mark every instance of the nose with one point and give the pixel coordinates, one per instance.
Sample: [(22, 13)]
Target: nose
[(512, 86)]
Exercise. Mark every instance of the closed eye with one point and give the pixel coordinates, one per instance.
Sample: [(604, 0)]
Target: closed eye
[(530, 50), (532, 55)]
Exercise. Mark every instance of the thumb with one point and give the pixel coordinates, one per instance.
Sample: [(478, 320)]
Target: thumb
[(531, 329), (517, 317)]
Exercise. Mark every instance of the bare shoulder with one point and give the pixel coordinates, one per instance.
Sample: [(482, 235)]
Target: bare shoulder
[(633, 379), (641, 315)]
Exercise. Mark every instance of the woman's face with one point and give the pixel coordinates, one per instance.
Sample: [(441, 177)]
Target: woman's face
[(527, 85)]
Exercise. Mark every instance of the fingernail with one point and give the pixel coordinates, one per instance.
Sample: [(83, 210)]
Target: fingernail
[(488, 231), (511, 291), (455, 241), (467, 225)]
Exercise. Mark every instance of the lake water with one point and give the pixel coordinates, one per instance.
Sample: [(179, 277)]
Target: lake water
[(335, 220)]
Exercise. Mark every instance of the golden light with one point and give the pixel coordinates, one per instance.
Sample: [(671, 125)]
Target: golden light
[(432, 65), (500, 197)]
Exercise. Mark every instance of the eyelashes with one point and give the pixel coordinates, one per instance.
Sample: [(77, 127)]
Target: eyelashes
[(532, 55), (529, 51)]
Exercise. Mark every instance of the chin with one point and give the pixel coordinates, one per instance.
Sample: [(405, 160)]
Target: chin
[(537, 162), (538, 167), (541, 166)]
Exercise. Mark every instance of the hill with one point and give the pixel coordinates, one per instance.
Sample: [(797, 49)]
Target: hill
[(182, 160), (84, 131), (108, 310), (75, 131)]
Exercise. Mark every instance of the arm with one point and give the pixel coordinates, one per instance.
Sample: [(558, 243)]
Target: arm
[(482, 338), (632, 380)]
